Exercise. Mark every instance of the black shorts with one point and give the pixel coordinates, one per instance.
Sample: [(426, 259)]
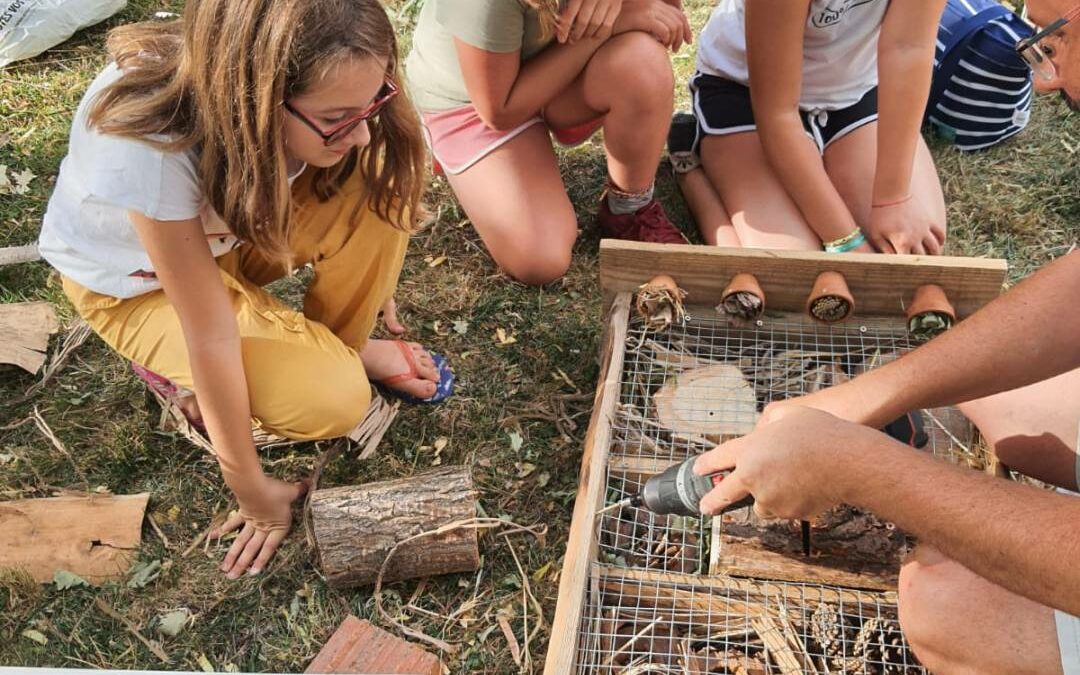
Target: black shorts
[(723, 107)]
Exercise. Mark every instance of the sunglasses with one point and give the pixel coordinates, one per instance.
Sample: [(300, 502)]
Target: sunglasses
[(345, 127), (1038, 56)]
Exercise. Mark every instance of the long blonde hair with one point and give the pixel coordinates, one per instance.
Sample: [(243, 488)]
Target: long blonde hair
[(548, 11), (215, 81)]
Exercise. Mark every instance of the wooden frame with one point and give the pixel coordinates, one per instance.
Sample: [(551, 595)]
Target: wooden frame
[(881, 284)]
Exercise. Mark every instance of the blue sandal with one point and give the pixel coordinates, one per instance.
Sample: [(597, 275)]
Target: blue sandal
[(443, 389)]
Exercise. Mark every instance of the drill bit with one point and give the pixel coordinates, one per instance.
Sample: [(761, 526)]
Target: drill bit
[(617, 505), (806, 538)]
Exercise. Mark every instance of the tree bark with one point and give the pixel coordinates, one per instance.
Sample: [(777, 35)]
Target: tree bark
[(355, 527)]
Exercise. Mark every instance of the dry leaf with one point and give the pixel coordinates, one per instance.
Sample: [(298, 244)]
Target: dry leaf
[(434, 262), (204, 663), (22, 181), (503, 338), (508, 633), (35, 635), (172, 623), (461, 327), (65, 580)]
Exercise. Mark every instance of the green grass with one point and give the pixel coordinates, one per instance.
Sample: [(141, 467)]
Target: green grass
[(1018, 201)]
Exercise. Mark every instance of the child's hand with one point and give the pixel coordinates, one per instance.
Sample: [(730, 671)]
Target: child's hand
[(263, 525), (905, 227), (587, 19), (390, 318), (658, 18)]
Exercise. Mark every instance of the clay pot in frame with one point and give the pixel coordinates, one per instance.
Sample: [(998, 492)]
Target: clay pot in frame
[(930, 312), (743, 298), (830, 300)]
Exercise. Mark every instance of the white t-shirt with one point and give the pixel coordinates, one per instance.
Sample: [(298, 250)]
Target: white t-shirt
[(86, 233), (839, 49)]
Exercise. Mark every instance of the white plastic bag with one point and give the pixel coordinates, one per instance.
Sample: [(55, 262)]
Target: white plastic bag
[(29, 27)]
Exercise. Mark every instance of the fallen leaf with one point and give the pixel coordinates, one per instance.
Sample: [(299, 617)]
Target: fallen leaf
[(503, 338), (5, 183), (461, 327), (22, 181), (441, 443), (516, 441), (65, 580), (434, 262), (204, 663), (143, 573), (511, 641), (542, 572), (4, 139), (172, 513), (173, 622), (35, 635), (543, 478), (525, 469)]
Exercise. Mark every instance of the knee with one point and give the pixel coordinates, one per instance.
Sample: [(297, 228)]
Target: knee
[(929, 608), (637, 59), (539, 267), (329, 403)]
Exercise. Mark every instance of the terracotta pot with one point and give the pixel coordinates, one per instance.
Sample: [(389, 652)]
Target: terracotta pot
[(747, 284), (930, 298), (831, 298)]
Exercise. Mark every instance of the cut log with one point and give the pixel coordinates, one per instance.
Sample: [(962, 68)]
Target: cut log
[(25, 328), (355, 527), (95, 537), (715, 401), (359, 647)]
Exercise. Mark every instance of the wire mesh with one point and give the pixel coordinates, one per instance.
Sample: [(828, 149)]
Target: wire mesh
[(639, 622), (666, 616)]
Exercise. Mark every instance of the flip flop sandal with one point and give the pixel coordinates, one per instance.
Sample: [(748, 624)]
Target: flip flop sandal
[(443, 388), (167, 389)]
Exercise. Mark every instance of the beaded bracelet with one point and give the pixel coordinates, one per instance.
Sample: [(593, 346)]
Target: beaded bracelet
[(856, 242), (850, 236)]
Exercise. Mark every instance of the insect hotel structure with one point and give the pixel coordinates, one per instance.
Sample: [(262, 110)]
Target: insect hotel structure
[(697, 342)]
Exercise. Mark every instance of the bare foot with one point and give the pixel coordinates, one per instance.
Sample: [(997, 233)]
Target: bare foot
[(383, 359)]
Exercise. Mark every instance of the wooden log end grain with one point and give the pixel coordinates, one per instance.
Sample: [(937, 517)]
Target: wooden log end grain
[(356, 527)]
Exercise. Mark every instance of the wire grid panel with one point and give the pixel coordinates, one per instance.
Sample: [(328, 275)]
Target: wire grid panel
[(639, 622), (746, 369)]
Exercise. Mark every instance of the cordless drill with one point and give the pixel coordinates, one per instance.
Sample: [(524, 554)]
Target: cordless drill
[(678, 490)]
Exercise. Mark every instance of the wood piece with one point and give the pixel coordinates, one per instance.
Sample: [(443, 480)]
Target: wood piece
[(772, 590), (742, 299), (25, 328), (19, 254), (95, 537), (714, 401), (582, 547), (880, 283), (777, 645), (355, 527), (359, 647)]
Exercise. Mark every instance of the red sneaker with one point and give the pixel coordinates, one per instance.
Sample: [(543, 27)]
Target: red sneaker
[(649, 224)]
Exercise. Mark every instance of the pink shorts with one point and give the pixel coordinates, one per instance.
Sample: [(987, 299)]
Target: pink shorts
[(458, 138)]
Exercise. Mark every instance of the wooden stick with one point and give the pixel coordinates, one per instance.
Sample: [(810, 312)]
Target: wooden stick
[(19, 254), (776, 645), (630, 643), (154, 647), (158, 532)]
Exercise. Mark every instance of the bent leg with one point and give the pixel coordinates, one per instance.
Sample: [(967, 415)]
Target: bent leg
[(1033, 429), (630, 83), (708, 210), (303, 381), (851, 162), (959, 623), (763, 213), (516, 200)]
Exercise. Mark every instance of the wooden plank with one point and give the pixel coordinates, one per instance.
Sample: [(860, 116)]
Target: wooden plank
[(741, 558), (25, 328), (359, 647), (881, 284), (774, 590), (95, 537), (581, 549)]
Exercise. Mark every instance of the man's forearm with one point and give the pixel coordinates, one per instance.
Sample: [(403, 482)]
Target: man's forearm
[(1027, 335), (1017, 536)]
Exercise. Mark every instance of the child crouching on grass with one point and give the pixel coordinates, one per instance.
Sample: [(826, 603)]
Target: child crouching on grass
[(216, 154), (494, 86)]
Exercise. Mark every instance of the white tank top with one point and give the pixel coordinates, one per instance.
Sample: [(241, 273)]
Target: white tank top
[(839, 49)]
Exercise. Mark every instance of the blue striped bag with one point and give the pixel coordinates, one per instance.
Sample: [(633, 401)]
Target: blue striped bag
[(981, 91)]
